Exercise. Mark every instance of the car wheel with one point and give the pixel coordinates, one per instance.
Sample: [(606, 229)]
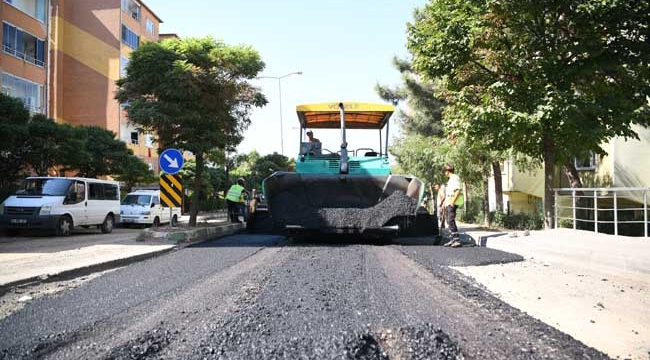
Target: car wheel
[(174, 220), (64, 226), (107, 225), (156, 222)]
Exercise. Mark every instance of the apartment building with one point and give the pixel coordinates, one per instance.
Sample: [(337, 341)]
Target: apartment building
[(90, 43), (626, 165), (23, 59)]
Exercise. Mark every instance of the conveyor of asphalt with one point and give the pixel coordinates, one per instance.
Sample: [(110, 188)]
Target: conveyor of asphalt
[(25, 261)]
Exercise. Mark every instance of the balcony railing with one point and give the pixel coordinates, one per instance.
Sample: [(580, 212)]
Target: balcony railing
[(27, 58), (615, 211)]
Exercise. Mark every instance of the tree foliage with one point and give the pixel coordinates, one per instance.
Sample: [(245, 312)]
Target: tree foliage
[(51, 144), (13, 139), (194, 94), (134, 171), (548, 79), (37, 145)]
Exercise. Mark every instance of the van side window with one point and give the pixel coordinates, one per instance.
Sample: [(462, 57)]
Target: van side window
[(155, 200), (95, 191), (101, 191), (111, 192), (76, 193)]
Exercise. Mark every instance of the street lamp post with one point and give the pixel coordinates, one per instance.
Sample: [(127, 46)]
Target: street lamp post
[(279, 78)]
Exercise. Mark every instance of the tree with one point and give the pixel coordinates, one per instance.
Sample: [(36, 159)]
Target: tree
[(135, 171), (13, 141), (194, 94), (51, 144), (425, 145), (100, 152), (548, 79)]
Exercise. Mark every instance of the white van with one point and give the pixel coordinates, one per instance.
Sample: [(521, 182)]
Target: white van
[(60, 203), (142, 207)]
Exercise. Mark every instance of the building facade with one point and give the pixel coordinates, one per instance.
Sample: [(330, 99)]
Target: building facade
[(62, 58), (90, 45), (626, 165), (23, 60)]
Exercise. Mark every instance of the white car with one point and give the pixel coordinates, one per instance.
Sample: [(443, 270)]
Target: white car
[(60, 203), (143, 207)]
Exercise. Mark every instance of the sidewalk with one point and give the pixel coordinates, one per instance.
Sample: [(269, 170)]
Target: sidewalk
[(594, 287), (39, 259)]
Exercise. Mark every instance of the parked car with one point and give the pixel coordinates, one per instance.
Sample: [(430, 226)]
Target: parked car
[(143, 207), (61, 203)]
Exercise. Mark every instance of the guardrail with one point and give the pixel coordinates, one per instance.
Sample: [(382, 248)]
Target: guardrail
[(605, 210)]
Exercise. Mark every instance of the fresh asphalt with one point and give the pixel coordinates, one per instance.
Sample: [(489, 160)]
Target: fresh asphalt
[(262, 296)]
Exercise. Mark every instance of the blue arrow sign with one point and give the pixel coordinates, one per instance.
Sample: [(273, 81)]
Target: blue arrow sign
[(171, 161)]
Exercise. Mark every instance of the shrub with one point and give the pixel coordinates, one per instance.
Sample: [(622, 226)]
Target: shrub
[(519, 221)]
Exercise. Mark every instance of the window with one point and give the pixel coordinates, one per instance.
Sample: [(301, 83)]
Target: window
[(586, 162), (101, 191), (30, 93), (148, 140), (151, 29), (33, 8), (76, 193), (130, 38), (124, 62), (96, 191), (23, 45), (111, 192), (134, 137), (131, 8)]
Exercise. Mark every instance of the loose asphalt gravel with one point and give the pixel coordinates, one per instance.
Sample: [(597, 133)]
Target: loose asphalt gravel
[(286, 208), (263, 297)]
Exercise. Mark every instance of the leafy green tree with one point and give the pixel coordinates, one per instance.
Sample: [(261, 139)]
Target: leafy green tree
[(194, 94), (266, 165), (100, 154), (14, 140), (548, 79), (425, 144), (51, 144), (134, 171)]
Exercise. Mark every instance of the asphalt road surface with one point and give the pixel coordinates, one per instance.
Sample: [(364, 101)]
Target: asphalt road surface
[(263, 297)]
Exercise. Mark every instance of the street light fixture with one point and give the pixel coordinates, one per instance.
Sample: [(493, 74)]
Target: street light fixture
[(279, 78)]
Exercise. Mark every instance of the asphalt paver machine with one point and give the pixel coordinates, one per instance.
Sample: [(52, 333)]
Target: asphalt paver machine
[(350, 191)]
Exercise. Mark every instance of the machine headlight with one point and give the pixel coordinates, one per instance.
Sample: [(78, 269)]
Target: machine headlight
[(45, 209)]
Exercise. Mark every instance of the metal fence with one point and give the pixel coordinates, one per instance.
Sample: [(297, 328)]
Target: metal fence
[(615, 211)]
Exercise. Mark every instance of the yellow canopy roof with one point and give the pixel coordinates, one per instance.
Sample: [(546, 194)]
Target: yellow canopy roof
[(357, 115)]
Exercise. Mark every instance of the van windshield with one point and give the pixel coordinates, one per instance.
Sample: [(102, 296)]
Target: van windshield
[(132, 199), (44, 187)]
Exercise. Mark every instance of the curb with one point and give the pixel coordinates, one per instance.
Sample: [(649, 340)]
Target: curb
[(180, 240), (191, 235)]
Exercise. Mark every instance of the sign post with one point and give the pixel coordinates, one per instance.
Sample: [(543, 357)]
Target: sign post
[(171, 189)]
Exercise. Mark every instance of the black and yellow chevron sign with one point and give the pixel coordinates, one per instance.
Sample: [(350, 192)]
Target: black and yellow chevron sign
[(171, 190)]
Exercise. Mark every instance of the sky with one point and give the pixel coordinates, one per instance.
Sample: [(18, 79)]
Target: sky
[(342, 47)]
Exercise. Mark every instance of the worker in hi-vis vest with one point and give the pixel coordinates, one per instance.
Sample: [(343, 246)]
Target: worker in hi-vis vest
[(454, 199), (236, 201)]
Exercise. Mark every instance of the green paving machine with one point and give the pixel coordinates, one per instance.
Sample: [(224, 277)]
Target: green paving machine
[(344, 190)]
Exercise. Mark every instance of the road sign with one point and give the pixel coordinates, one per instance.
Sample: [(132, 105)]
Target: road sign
[(171, 190), (171, 161)]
